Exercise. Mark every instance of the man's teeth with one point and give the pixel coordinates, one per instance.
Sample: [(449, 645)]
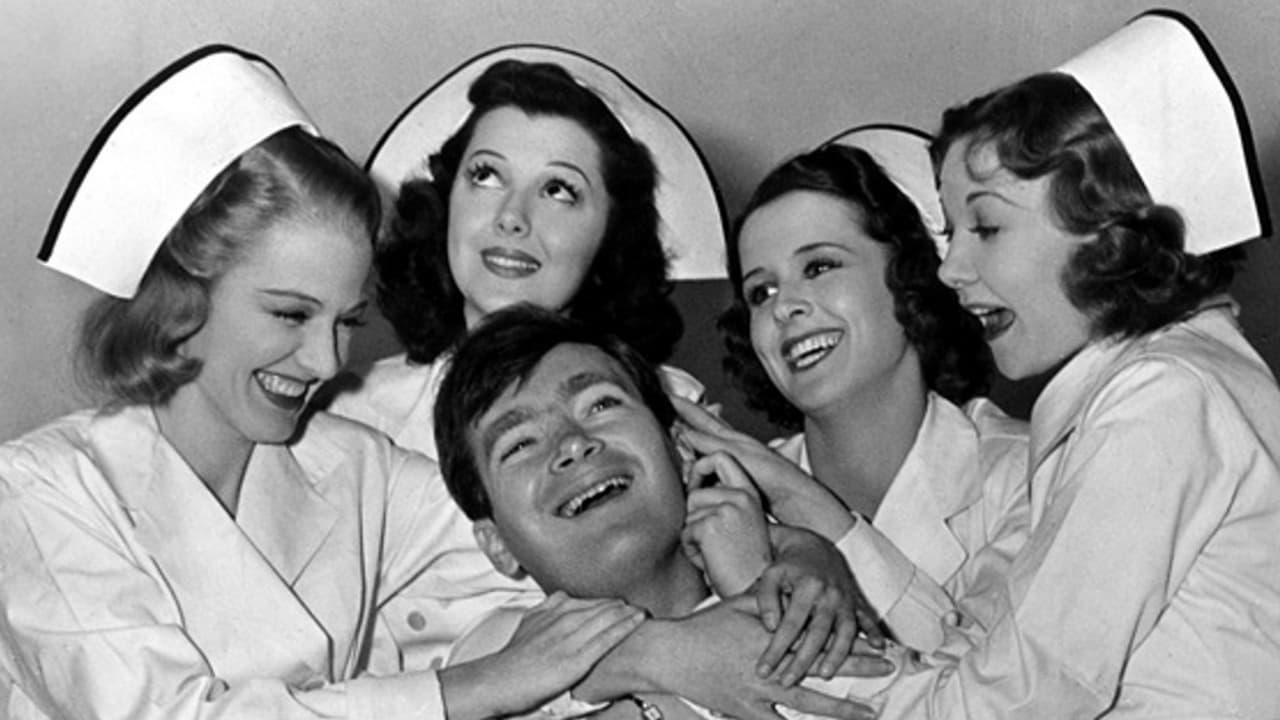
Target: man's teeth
[(810, 350), (601, 490), (280, 385)]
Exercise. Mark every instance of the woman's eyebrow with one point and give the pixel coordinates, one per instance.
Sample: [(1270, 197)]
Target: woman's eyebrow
[(976, 194), (566, 165)]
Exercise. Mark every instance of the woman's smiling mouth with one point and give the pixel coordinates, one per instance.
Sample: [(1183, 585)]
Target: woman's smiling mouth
[(283, 392), (804, 352), (995, 320), (509, 263)]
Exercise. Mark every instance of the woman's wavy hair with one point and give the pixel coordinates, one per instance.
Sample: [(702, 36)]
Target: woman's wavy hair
[(1134, 277), (130, 350), (626, 290), (954, 358)]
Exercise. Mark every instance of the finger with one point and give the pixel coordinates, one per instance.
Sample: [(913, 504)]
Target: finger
[(717, 496), (743, 603), (762, 710), (784, 666), (769, 593), (590, 621), (780, 644), (861, 664), (816, 703), (811, 608), (608, 637), (697, 416), (840, 646), (870, 625), (702, 472), (728, 471), (795, 616)]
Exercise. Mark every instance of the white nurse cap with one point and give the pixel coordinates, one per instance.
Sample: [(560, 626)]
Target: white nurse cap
[(903, 153), (689, 207), (1169, 98), (153, 157)]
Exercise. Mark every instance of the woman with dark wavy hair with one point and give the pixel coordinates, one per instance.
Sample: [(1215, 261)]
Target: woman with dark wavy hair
[(548, 180), (841, 329), (563, 186)]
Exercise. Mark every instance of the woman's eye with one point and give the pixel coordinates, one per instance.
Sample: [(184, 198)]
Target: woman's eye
[(563, 192), (758, 294), (985, 232), (483, 175), (292, 317), (814, 268), (352, 322)]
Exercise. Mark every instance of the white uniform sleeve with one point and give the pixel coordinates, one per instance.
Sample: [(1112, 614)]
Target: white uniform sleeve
[(911, 603), (1139, 488)]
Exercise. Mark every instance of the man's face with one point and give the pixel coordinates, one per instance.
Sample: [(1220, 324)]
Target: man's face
[(583, 479)]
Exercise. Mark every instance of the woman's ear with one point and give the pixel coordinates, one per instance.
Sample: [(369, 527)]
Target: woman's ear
[(495, 548)]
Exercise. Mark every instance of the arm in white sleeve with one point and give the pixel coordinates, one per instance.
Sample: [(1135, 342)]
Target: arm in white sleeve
[(1131, 498)]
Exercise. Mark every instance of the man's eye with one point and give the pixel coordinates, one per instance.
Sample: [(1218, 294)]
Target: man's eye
[(514, 448), (604, 403)]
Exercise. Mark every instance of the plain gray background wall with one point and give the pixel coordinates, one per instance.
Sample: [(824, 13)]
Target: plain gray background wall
[(753, 81)]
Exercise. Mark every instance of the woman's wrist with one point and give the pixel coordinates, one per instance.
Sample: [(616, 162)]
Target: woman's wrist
[(470, 691), (819, 514), (631, 667)]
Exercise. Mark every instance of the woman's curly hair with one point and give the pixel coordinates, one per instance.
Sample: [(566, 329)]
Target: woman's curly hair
[(1134, 277), (626, 291), (130, 350), (954, 358)]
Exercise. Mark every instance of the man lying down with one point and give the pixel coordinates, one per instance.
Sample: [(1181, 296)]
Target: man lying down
[(557, 443)]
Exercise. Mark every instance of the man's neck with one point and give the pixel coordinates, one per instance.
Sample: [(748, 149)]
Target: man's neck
[(671, 589)]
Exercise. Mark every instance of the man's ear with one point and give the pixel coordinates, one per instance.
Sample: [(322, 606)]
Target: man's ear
[(491, 542)]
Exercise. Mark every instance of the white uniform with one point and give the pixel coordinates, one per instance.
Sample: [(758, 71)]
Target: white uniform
[(126, 590), (1150, 583), (954, 516), (399, 399)]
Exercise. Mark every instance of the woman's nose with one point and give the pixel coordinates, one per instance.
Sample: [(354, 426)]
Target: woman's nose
[(322, 352), (790, 303), (956, 270), (512, 217)]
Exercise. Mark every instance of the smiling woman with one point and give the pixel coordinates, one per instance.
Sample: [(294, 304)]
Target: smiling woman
[(203, 545), (530, 174), (841, 328)]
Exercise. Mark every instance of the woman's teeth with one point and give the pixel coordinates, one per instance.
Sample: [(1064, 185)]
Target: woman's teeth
[(280, 385), (995, 321), (510, 264), (809, 351)]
